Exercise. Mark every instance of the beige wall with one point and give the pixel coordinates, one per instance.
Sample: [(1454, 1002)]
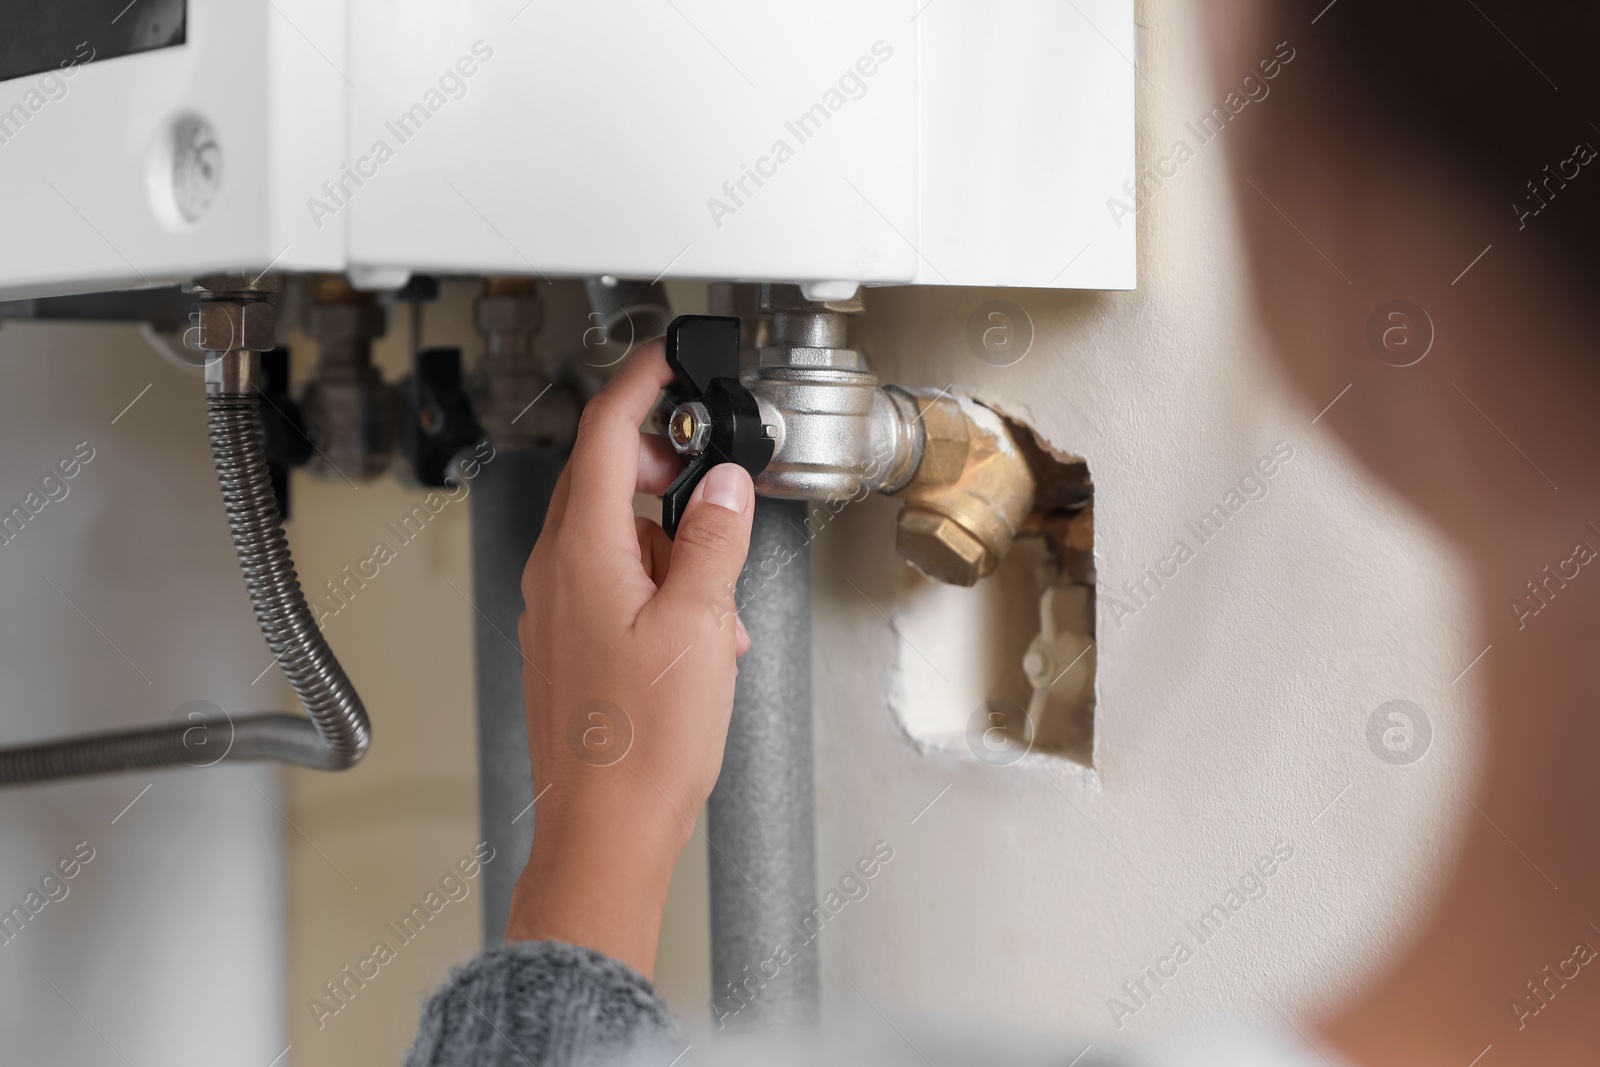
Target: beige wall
[(393, 825)]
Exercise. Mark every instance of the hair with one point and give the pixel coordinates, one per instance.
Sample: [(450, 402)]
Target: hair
[(1495, 90)]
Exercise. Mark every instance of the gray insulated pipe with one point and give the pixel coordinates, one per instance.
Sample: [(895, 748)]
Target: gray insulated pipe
[(509, 500), (762, 815), (336, 735), (628, 313)]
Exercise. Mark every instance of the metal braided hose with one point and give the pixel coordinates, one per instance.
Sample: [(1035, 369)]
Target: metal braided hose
[(337, 734), (286, 622), (265, 736)]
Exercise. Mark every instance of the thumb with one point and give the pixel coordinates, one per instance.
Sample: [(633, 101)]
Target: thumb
[(713, 537)]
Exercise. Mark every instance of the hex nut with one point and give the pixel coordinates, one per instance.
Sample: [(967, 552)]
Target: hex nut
[(353, 422), (510, 314), (940, 547), (689, 429), (945, 441), (958, 531), (227, 325)]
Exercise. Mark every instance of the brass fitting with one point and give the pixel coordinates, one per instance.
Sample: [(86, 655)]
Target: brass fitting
[(344, 322), (945, 439), (510, 309), (512, 377), (352, 414), (969, 496)]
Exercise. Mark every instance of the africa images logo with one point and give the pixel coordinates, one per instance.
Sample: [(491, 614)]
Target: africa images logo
[(1399, 733)]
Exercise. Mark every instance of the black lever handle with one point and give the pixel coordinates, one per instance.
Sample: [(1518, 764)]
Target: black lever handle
[(717, 420)]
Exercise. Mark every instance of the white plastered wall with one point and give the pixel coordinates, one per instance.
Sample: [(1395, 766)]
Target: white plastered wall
[(1232, 706)]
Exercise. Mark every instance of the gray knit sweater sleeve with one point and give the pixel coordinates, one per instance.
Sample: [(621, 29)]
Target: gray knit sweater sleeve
[(540, 1004)]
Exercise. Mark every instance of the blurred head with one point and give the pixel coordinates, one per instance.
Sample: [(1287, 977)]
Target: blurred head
[(1412, 152), (1420, 202)]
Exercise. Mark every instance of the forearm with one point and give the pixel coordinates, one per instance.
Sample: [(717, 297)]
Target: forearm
[(598, 877)]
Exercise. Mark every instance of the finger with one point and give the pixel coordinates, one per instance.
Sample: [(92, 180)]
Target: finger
[(659, 464), (713, 537), (558, 502), (604, 468), (655, 549)]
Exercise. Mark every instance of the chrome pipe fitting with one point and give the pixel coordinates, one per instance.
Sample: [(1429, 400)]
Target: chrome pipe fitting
[(837, 432), (233, 372)]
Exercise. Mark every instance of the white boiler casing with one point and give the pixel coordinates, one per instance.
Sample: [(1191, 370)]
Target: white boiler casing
[(965, 142)]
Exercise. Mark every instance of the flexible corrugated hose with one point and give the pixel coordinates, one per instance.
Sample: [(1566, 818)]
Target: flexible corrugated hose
[(336, 735)]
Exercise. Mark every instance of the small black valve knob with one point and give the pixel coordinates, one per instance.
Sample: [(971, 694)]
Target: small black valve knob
[(717, 420), (437, 421)]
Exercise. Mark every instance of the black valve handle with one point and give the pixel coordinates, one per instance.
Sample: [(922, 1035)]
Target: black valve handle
[(703, 352)]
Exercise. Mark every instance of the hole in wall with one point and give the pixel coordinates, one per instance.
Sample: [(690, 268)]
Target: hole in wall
[(1005, 671)]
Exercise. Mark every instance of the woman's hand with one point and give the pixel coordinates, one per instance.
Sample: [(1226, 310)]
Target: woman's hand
[(630, 641)]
